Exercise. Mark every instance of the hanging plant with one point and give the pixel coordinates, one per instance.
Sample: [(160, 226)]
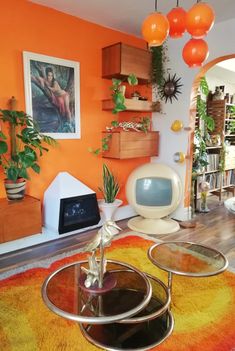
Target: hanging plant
[(157, 70)]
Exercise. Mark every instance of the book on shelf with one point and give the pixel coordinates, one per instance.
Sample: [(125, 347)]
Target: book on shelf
[(214, 179), (213, 162)]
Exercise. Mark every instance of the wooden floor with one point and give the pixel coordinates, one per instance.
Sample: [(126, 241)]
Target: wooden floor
[(215, 229)]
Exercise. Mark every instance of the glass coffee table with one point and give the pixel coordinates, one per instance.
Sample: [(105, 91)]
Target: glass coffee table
[(188, 259), (131, 315)]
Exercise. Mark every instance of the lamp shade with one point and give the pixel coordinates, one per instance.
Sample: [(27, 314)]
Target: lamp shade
[(200, 19), (155, 29), (195, 52), (177, 21)]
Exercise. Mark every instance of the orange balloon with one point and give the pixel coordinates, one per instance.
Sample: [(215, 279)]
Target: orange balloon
[(155, 29), (195, 52), (199, 20), (177, 20)]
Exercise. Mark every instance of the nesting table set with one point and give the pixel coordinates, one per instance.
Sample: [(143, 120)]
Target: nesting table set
[(134, 312)]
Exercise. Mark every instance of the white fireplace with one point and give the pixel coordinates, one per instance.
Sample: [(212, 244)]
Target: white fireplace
[(69, 205)]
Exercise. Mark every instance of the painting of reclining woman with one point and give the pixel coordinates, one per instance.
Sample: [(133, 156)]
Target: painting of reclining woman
[(52, 96)]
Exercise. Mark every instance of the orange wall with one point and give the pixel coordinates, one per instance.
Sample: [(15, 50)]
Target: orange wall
[(28, 27)]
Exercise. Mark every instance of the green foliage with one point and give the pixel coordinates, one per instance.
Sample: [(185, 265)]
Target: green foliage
[(117, 92), (204, 86), (202, 106), (110, 187), (231, 126), (105, 142), (202, 113), (157, 66), (199, 153), (27, 143)]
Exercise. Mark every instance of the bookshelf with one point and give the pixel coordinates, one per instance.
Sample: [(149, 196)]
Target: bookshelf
[(219, 181)]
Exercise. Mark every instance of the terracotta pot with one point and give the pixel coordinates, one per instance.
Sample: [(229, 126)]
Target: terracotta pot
[(15, 190)]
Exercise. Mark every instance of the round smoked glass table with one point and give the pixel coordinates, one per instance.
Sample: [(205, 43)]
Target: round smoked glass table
[(132, 315), (188, 259)]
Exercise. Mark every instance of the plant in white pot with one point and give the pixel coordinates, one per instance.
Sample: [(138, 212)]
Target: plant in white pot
[(110, 189), (20, 149)]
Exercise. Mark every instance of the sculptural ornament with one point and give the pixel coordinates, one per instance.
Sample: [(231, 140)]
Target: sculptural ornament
[(97, 267)]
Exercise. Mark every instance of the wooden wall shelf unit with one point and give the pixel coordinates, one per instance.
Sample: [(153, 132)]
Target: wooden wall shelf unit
[(19, 218), (131, 105), (124, 145), (119, 60)]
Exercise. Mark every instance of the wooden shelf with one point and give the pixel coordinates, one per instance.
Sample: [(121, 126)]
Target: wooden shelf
[(124, 145), (213, 147), (131, 105)]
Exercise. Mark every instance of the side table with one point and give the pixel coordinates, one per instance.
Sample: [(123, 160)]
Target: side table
[(188, 259)]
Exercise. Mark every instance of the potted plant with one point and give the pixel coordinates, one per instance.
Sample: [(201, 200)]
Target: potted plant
[(118, 92), (26, 146), (110, 190)]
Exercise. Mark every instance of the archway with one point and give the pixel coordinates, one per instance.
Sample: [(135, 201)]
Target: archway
[(192, 116)]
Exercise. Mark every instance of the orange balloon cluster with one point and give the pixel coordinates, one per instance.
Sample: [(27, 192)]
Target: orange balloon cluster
[(197, 21)]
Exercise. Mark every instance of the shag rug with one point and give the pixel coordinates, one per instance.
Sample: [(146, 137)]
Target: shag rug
[(203, 308)]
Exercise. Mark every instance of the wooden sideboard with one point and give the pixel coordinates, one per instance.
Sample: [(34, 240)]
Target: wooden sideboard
[(19, 218)]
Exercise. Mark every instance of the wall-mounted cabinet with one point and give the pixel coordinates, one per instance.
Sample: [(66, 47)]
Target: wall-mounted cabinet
[(119, 60), (124, 145)]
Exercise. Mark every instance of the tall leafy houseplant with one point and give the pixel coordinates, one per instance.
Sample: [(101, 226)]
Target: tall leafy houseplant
[(26, 145)]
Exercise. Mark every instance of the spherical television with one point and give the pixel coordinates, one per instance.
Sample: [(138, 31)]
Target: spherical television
[(154, 190)]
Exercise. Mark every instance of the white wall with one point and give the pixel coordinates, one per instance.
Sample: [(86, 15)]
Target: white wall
[(217, 76), (220, 43)]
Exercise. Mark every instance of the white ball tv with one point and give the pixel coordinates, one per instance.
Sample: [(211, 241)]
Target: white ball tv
[(154, 190)]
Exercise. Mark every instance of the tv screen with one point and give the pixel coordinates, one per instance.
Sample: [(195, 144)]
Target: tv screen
[(153, 191), (78, 212)]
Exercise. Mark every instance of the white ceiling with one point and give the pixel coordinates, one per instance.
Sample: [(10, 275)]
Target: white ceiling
[(128, 15)]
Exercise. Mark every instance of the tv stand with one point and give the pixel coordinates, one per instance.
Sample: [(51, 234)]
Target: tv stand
[(153, 225)]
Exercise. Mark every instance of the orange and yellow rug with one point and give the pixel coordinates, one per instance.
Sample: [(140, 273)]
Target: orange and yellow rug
[(203, 308)]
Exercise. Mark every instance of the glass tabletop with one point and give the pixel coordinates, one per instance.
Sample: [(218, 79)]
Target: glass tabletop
[(187, 258), (62, 293)]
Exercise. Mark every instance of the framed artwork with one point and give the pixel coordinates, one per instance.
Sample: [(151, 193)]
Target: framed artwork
[(52, 94)]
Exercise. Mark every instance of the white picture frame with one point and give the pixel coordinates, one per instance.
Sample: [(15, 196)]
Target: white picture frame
[(52, 94)]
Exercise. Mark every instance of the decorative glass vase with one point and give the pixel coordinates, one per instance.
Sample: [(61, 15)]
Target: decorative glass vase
[(203, 202)]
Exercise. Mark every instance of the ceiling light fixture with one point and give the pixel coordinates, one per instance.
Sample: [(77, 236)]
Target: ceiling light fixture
[(200, 19), (195, 52), (155, 28), (177, 21)]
